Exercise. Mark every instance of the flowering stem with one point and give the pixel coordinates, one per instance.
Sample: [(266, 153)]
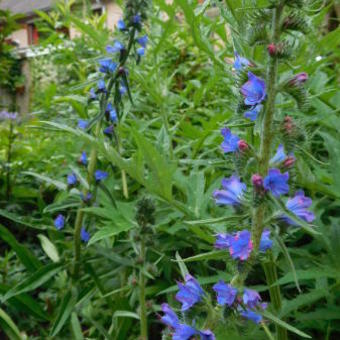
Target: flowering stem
[(142, 301), (80, 213)]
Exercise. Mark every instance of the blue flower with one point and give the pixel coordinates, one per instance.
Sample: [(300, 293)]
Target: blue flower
[(223, 241), (101, 86), (279, 156), (108, 131), (93, 94), (207, 335), (276, 182), (72, 179), (253, 112), (141, 51), (86, 198), (84, 235), (121, 25), (169, 318), (143, 40), (254, 90), (299, 205), (251, 315), (189, 293), (183, 332), (59, 222), (240, 62), (100, 175), (232, 191), (226, 293), (83, 158), (117, 47), (251, 298), (112, 112), (122, 89), (107, 65), (265, 243), (230, 142), (136, 19), (241, 245), (83, 124)]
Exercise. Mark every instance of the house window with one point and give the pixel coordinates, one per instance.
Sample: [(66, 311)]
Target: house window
[(98, 11), (33, 35)]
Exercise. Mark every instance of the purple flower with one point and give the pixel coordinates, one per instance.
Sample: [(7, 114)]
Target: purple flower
[(231, 193), (226, 293), (223, 241), (83, 158), (299, 79), (83, 124), (241, 245), (169, 318), (107, 65), (207, 335), (100, 175), (299, 205), (8, 115), (121, 25), (141, 51), (183, 332), (265, 243), (108, 131), (253, 112), (143, 40), (251, 315), (240, 62), (117, 47), (59, 222), (72, 179), (189, 293), (84, 235), (230, 143), (280, 155), (276, 182), (101, 86), (251, 298), (254, 90)]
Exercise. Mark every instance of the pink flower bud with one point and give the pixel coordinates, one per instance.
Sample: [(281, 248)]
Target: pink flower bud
[(242, 145), (272, 49), (299, 79), (289, 162), (257, 181)]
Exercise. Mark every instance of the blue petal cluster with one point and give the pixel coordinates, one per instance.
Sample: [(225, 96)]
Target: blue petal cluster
[(232, 192), (276, 182)]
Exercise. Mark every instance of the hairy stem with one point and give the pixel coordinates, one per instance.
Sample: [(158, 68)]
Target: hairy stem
[(142, 301)]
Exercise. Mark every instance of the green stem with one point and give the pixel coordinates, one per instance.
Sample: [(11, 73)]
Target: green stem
[(8, 160), (142, 301)]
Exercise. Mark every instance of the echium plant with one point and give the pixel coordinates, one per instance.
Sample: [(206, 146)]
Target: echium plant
[(106, 102), (261, 191)]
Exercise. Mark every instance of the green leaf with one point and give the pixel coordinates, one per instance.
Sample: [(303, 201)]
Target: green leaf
[(49, 248), (212, 255), (9, 327), (26, 257), (109, 231), (125, 314), (65, 310), (283, 324), (35, 280), (48, 180), (183, 268), (76, 327)]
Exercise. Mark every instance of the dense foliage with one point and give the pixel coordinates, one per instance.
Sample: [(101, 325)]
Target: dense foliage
[(109, 194)]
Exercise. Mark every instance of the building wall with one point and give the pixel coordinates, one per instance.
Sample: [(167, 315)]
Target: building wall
[(20, 36), (114, 13)]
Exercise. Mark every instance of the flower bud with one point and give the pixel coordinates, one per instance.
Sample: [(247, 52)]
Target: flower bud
[(272, 49), (288, 125), (289, 162), (299, 79), (257, 181), (242, 145)]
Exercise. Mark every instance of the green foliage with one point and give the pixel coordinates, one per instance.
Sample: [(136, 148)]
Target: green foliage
[(182, 95)]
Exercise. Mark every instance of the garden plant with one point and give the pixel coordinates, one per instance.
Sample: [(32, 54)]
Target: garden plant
[(176, 178)]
